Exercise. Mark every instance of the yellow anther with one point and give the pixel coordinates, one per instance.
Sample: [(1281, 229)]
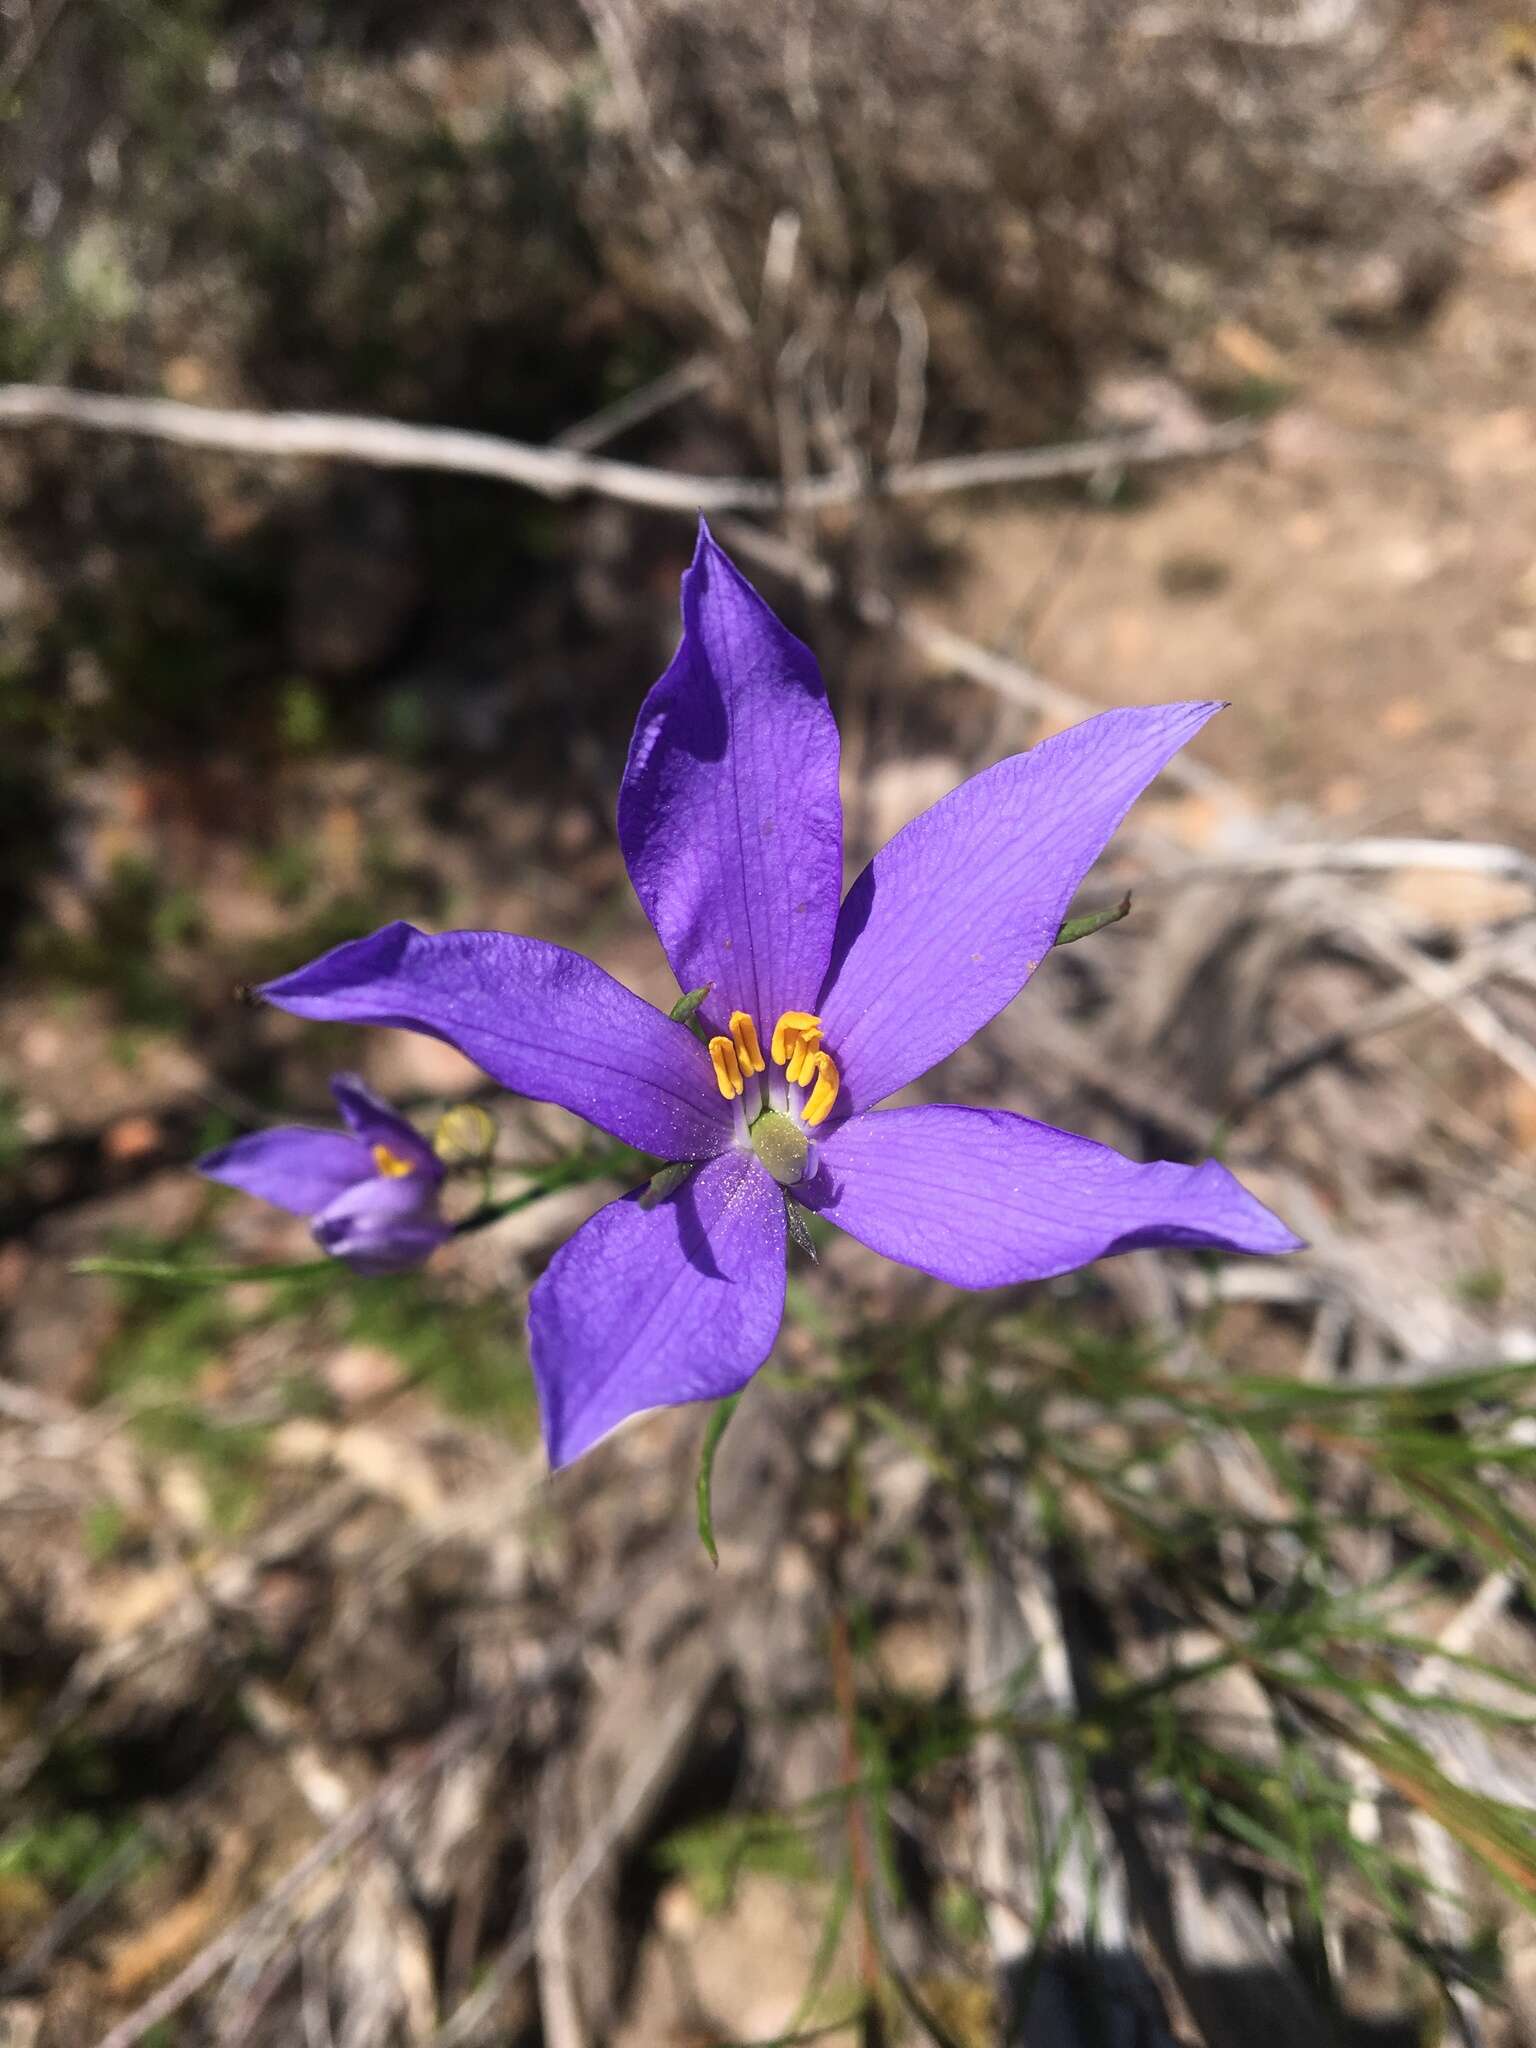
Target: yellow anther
[(788, 1029), (390, 1164), (744, 1037), (824, 1094), (802, 1057), (722, 1057)]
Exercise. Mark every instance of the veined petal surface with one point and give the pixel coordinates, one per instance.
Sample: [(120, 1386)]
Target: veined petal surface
[(383, 1226), (647, 1307), (377, 1124), (729, 814), (953, 916), (540, 1020), (983, 1198), (292, 1167)]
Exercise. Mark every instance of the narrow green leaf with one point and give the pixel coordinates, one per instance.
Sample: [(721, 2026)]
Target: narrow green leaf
[(826, 1953), (198, 1276), (719, 1417), (1094, 921)]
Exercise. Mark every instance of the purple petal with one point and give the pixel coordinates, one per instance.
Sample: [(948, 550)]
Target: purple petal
[(645, 1308), (729, 813), (540, 1020), (297, 1169), (377, 1124), (383, 1226), (949, 921), (982, 1198)]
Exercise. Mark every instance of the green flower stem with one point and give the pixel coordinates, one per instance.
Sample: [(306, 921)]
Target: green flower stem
[(720, 1415), (197, 1276), (618, 1161), (573, 1172)]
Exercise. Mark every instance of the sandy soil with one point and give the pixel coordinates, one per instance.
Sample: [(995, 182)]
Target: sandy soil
[(1364, 590)]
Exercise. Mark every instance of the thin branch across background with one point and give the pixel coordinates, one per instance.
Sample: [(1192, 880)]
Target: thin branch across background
[(563, 470), (560, 472)]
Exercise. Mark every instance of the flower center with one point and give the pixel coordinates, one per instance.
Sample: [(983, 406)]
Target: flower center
[(781, 1145), (390, 1164), (796, 1047)]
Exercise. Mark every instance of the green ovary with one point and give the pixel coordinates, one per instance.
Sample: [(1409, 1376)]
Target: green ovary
[(781, 1145)]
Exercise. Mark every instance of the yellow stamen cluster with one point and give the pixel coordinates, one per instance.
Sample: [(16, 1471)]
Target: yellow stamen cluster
[(737, 1058), (823, 1093), (744, 1038), (390, 1164), (796, 1047), (796, 1037)]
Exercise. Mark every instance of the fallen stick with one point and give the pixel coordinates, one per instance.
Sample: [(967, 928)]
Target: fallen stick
[(559, 472), (1429, 986), (1363, 856), (479, 2008)]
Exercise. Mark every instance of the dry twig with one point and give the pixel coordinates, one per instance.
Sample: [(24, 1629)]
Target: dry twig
[(1364, 856), (670, 388), (656, 1756), (1431, 986), (559, 472)]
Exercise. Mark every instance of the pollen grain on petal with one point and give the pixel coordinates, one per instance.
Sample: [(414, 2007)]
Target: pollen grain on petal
[(824, 1093), (390, 1164), (749, 1053), (787, 1031), (722, 1057)]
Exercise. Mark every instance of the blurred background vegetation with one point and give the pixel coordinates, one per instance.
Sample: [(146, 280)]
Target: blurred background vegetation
[(1148, 1653)]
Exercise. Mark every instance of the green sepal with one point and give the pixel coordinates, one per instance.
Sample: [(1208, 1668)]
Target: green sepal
[(1094, 921), (664, 1183), (685, 1011), (719, 1417)]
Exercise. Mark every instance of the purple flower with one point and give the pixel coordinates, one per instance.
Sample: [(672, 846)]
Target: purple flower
[(371, 1197), (819, 1006)]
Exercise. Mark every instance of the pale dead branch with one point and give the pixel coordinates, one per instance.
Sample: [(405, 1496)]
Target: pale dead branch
[(911, 378), (657, 1756), (559, 472), (1313, 22), (674, 176), (1364, 856), (670, 388), (1430, 986)]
